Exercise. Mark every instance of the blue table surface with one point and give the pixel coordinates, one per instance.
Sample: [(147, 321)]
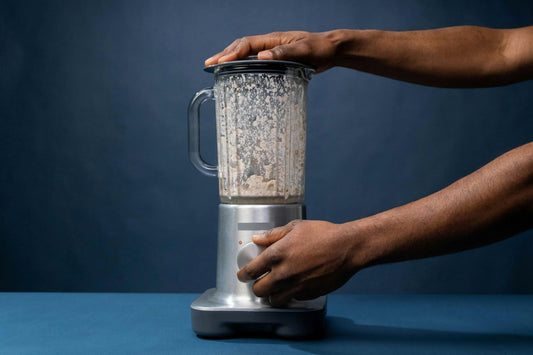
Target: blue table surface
[(114, 323)]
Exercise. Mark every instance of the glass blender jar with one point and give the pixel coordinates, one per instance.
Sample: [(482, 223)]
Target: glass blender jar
[(261, 131), (261, 138)]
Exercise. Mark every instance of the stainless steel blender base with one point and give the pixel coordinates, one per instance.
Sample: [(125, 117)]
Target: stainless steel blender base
[(211, 317), (231, 309)]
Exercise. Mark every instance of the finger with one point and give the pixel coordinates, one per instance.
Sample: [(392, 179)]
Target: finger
[(291, 51), (306, 296), (255, 268), (242, 47), (275, 234), (278, 293), (250, 45), (279, 280), (241, 50), (265, 286), (214, 59), (280, 299)]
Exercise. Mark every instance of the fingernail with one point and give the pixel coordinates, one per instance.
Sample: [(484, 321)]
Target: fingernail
[(208, 61)]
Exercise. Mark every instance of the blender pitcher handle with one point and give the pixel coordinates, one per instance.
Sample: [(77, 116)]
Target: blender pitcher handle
[(194, 132)]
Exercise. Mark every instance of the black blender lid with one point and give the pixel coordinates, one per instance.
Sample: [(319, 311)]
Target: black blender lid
[(251, 64)]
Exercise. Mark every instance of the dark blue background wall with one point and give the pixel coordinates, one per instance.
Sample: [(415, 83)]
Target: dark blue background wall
[(96, 193)]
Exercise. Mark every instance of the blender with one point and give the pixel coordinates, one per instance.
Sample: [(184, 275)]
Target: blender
[(261, 136)]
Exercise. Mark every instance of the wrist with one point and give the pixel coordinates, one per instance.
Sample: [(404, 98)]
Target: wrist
[(381, 238), (348, 46), (364, 242)]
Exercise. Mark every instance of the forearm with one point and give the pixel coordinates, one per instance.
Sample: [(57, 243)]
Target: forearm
[(491, 204), (464, 56)]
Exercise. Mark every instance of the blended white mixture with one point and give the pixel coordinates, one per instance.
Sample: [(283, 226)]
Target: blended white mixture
[(261, 130)]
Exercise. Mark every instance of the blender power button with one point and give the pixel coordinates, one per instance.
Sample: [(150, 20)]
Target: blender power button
[(247, 253)]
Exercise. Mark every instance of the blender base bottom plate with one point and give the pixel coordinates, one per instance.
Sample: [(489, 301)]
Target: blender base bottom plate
[(214, 317)]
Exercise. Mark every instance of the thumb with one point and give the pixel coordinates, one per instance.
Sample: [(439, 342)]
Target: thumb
[(273, 235), (290, 51)]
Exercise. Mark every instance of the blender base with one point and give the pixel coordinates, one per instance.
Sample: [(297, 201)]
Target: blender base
[(231, 309), (213, 316)]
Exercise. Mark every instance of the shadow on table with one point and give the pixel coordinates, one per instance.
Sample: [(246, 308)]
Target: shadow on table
[(343, 336)]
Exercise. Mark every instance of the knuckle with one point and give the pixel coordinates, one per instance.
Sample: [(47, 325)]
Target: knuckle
[(274, 255), (244, 44), (247, 270), (233, 44), (281, 277), (295, 223), (269, 234), (244, 274), (277, 51), (274, 232)]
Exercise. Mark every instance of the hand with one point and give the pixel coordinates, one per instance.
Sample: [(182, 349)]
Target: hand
[(316, 49), (303, 260)]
